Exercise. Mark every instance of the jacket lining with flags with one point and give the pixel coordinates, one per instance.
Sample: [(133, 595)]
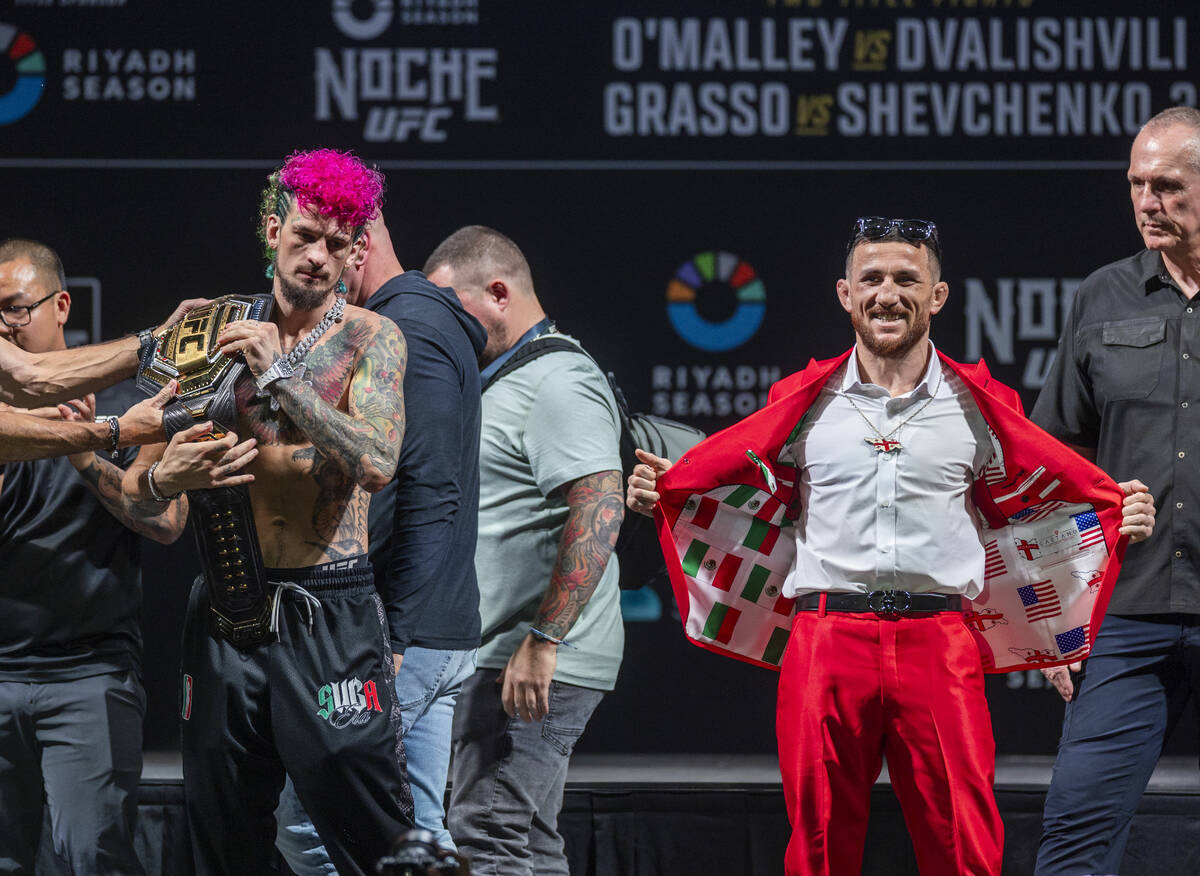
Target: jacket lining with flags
[(1050, 534)]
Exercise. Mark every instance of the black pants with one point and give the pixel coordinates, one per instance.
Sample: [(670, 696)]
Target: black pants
[(319, 704)]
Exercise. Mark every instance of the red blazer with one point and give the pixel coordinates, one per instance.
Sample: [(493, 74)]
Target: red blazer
[(1050, 522)]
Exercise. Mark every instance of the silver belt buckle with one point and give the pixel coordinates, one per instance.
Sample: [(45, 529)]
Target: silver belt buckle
[(889, 602)]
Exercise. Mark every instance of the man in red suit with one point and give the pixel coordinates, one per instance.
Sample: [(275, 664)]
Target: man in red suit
[(895, 521)]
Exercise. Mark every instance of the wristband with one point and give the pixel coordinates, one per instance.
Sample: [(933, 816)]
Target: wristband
[(154, 491), (546, 637), (114, 436)]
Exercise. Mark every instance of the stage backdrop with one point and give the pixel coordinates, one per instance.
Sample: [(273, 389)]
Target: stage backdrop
[(680, 175)]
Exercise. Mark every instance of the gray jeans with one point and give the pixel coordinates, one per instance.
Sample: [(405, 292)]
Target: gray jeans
[(78, 743), (508, 778)]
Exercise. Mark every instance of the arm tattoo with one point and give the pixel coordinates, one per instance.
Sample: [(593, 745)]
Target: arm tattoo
[(596, 508), (149, 518), (364, 443)]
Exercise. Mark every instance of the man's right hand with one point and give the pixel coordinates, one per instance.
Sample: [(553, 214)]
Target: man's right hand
[(1060, 678), (641, 496), (191, 463), (180, 311), (142, 423)]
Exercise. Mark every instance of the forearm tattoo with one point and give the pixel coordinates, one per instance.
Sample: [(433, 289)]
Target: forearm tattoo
[(589, 535), (364, 443), (145, 517)]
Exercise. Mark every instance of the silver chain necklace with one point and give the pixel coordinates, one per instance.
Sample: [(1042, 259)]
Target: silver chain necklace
[(292, 364), (884, 443), (332, 315)]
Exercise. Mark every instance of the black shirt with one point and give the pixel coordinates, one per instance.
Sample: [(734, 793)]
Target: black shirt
[(423, 525), (1126, 381), (70, 580)]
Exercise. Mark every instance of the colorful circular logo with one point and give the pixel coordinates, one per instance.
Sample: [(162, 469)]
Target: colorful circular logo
[(727, 279), (22, 51)]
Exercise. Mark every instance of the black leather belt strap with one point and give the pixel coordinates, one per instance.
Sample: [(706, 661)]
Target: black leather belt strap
[(222, 518), (895, 602)]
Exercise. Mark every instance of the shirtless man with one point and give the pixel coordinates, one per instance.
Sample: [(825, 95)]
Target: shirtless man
[(315, 697)]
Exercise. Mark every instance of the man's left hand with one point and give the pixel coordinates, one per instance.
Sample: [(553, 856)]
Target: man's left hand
[(1137, 513), (257, 341), (525, 681), (142, 423), (79, 410), (47, 413), (181, 310)]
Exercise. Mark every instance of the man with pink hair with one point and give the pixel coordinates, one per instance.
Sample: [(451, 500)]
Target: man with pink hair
[(305, 687)]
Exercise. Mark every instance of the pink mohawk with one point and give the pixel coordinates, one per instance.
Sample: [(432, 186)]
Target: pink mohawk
[(337, 184)]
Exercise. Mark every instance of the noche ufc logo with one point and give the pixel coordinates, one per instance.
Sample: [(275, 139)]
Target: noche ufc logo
[(402, 93), (348, 702), (20, 53)]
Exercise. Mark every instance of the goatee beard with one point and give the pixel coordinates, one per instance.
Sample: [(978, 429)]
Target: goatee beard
[(302, 297), (890, 348)]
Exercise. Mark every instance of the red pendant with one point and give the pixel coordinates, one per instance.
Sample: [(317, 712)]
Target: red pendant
[(883, 445)]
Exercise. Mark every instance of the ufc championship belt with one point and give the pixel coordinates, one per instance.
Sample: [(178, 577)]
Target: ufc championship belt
[(221, 518)]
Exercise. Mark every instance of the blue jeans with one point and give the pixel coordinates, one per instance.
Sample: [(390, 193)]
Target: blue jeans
[(427, 688), (509, 778), (1132, 692)]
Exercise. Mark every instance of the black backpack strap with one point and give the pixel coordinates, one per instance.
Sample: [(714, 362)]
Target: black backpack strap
[(530, 351)]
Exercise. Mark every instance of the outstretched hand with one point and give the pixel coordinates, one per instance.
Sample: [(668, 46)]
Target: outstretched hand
[(642, 495), (79, 410), (142, 423), (181, 310)]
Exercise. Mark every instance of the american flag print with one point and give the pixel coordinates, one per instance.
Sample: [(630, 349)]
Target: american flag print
[(994, 472), (993, 560), (1037, 512), (1072, 643), (1090, 533), (1040, 600)]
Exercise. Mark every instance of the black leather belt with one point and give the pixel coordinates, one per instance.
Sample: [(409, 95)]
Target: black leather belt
[(886, 602)]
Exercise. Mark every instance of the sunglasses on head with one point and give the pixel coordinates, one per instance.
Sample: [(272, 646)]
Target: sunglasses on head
[(914, 231)]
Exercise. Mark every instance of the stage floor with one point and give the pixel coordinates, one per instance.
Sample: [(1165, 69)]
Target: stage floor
[(687, 814), (602, 772)]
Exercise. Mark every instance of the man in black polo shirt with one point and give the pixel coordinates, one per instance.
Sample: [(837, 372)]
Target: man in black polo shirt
[(71, 698), (1125, 390)]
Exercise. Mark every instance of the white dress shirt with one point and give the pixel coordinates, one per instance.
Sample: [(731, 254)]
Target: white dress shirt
[(899, 521)]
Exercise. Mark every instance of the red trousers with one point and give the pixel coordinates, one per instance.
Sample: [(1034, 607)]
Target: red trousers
[(856, 686)]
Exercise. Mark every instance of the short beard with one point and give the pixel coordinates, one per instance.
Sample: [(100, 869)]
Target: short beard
[(302, 297), (890, 348)]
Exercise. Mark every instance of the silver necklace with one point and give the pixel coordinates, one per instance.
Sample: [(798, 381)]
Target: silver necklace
[(292, 364), (885, 443)]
